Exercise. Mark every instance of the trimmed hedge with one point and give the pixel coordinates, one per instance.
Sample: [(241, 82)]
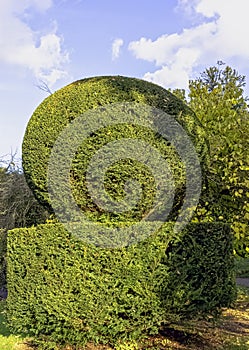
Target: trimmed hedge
[(63, 290), (3, 250), (66, 290), (61, 108)]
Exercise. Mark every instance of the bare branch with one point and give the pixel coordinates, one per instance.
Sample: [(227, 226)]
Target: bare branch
[(42, 85)]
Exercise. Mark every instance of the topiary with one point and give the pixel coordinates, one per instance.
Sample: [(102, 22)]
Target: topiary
[(62, 290), (108, 130), (63, 107), (3, 249)]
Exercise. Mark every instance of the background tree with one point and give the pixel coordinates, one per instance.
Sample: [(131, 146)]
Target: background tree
[(217, 97), (18, 208)]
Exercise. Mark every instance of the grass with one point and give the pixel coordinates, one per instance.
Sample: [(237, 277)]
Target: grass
[(230, 333)]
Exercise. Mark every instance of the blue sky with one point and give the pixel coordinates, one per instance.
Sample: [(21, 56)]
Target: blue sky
[(59, 41)]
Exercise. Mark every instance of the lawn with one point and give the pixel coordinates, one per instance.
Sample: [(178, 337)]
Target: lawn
[(230, 333)]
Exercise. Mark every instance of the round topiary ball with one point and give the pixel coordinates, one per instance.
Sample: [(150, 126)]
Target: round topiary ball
[(62, 108)]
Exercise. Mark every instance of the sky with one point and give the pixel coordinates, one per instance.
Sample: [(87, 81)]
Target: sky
[(56, 42)]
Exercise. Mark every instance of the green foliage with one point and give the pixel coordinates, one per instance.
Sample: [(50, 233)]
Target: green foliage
[(218, 101), (242, 267), (3, 249), (66, 291), (199, 276), (9, 341), (59, 109), (18, 207)]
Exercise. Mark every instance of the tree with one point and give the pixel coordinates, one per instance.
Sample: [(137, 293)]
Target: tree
[(18, 207), (218, 101)]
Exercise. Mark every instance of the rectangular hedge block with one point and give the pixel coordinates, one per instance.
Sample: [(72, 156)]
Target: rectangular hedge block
[(67, 291)]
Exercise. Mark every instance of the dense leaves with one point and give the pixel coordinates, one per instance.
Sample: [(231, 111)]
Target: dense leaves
[(18, 206), (218, 101), (66, 291), (3, 250), (69, 103)]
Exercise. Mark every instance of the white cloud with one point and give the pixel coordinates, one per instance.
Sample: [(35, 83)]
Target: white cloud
[(177, 73), (221, 35), (211, 7), (116, 46), (20, 45), (20, 6), (186, 6)]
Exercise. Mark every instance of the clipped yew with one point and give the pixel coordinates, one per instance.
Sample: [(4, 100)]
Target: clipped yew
[(60, 109), (66, 290)]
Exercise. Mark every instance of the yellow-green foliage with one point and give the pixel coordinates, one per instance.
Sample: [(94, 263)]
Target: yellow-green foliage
[(219, 103), (67, 290), (59, 109), (3, 248), (64, 290)]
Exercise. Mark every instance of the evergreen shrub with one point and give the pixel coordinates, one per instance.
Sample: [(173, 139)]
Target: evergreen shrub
[(3, 250), (67, 104), (67, 290), (64, 290)]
